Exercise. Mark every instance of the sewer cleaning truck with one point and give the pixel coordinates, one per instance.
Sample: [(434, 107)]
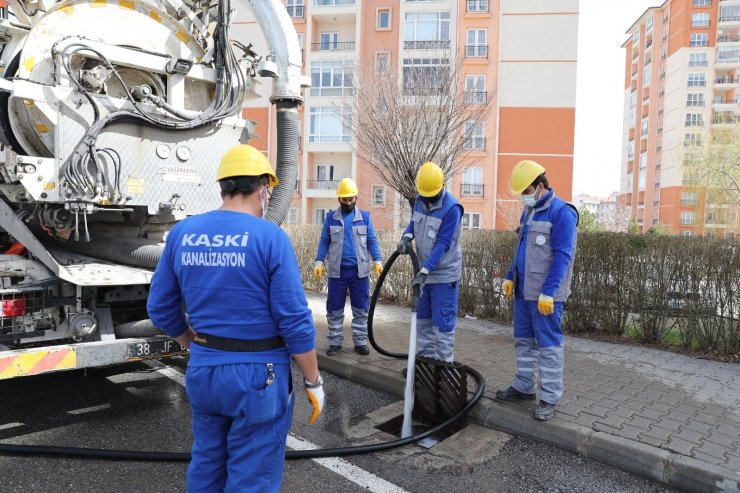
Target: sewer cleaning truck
[(113, 115)]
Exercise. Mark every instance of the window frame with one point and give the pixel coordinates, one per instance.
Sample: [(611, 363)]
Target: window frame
[(379, 11)]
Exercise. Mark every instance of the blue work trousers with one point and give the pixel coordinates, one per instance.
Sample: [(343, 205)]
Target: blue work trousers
[(435, 321), (359, 298), (240, 426), (538, 344)]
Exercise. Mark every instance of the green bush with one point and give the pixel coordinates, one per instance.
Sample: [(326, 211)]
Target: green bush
[(656, 288)]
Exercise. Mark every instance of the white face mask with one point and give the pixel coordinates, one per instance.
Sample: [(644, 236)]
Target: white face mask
[(530, 199)]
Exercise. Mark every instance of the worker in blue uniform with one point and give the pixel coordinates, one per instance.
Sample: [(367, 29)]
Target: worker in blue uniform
[(436, 226), (237, 277), (539, 281), (347, 244)]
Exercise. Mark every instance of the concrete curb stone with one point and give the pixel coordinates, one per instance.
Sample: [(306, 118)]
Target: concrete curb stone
[(655, 463)]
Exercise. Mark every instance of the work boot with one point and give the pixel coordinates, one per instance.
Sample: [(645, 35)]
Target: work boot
[(544, 411), (512, 394), (333, 350), (363, 350)]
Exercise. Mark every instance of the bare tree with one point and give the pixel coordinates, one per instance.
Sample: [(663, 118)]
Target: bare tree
[(509, 210), (718, 167), (401, 119)]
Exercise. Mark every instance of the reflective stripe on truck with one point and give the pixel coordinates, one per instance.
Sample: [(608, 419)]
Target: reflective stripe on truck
[(27, 362)]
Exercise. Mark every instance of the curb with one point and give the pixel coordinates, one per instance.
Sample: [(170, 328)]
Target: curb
[(651, 462)]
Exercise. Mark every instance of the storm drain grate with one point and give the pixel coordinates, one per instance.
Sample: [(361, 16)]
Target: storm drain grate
[(440, 391)]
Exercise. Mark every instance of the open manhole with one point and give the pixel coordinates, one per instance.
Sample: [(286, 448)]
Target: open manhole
[(440, 392)]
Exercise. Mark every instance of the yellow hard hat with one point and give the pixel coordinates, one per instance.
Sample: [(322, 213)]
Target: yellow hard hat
[(347, 188), (429, 179), (524, 174), (245, 160)]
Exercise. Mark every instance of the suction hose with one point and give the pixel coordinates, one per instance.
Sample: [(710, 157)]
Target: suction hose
[(135, 455)]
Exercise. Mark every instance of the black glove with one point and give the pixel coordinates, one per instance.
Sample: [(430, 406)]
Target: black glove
[(404, 246), (420, 280)]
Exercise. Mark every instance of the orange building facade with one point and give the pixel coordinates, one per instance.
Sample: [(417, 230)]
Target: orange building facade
[(521, 53), (682, 82)]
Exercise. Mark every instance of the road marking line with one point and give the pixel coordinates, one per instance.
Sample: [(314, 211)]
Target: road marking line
[(168, 372), (8, 426), (89, 409), (359, 476)]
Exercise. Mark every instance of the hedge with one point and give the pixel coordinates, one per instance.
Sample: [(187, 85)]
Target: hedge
[(658, 289)]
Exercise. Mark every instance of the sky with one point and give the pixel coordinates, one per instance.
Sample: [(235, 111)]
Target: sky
[(600, 92)]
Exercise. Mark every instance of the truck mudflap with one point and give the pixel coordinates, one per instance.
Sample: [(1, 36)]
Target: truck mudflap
[(27, 362)]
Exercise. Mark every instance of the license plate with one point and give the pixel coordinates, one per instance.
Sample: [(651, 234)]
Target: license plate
[(149, 349)]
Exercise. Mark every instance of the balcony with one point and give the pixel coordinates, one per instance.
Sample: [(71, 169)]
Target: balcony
[(475, 97), (477, 6), (471, 190), (333, 46), (322, 184), (476, 51), (726, 81), (726, 20), (437, 44), (331, 3), (729, 39)]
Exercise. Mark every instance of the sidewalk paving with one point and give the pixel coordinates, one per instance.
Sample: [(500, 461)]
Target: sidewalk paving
[(666, 416)]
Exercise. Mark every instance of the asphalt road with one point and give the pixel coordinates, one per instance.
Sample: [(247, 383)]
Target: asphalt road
[(137, 407)]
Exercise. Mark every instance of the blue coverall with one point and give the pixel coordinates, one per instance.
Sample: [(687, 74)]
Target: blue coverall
[(436, 228), (238, 277), (544, 265), (347, 242)]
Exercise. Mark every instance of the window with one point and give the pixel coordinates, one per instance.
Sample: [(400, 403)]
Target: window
[(427, 30), (471, 220), (688, 218), (326, 126), (649, 24), (295, 8), (697, 80), (647, 75), (324, 176), (728, 55), (633, 118), (477, 5), (328, 41), (475, 89), (700, 19), (689, 198), (691, 139), (319, 214), (293, 215), (384, 20), (729, 13), (694, 120), (378, 194), (702, 3), (474, 136), (476, 45), (698, 60), (422, 76), (331, 78), (472, 182), (631, 150), (699, 39), (695, 100), (383, 61), (644, 128)]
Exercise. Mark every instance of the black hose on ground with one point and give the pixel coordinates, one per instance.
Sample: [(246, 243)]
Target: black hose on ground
[(135, 455)]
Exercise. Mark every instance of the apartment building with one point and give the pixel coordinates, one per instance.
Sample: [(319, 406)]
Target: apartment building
[(682, 82), (523, 54)]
